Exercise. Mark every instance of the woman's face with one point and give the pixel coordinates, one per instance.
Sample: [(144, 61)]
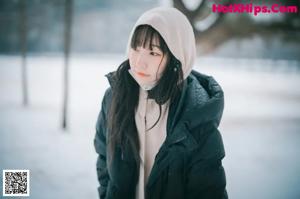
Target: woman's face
[(147, 64)]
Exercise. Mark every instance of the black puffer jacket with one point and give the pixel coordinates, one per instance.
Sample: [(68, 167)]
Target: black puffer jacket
[(188, 164)]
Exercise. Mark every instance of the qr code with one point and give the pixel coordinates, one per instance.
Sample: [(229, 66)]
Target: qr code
[(15, 182)]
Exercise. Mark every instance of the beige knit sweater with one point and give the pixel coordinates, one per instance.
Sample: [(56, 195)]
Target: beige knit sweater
[(146, 115)]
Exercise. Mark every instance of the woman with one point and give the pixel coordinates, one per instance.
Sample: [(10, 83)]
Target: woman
[(156, 134)]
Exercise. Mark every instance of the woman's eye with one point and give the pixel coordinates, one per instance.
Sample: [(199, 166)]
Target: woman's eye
[(154, 54)]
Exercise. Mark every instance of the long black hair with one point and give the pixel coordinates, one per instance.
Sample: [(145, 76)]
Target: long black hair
[(125, 94)]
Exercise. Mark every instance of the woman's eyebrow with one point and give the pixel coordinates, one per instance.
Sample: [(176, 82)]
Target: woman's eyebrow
[(153, 45)]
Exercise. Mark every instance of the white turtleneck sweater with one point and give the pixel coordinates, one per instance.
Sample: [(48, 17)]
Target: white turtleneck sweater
[(146, 115)]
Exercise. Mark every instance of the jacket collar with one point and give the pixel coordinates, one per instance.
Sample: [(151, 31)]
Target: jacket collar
[(201, 101)]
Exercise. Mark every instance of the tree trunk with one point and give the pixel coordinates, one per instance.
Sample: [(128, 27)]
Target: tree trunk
[(23, 46), (67, 45)]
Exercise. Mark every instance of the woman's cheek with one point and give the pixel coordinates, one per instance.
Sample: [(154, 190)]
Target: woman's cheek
[(131, 58)]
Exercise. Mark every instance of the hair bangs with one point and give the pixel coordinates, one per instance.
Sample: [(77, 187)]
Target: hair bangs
[(147, 37)]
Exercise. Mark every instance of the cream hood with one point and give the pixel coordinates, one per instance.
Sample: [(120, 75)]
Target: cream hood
[(177, 32)]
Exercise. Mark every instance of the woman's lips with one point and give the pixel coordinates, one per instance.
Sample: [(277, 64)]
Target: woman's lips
[(142, 74)]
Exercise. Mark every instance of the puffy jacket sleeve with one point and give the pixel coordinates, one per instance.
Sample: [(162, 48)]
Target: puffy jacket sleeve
[(205, 176), (100, 146)]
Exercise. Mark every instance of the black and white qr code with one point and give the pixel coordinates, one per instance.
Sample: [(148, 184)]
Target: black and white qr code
[(15, 182)]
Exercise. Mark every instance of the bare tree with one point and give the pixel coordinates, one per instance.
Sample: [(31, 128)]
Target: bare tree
[(67, 45), (23, 46)]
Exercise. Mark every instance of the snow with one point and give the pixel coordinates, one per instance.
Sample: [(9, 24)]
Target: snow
[(260, 126)]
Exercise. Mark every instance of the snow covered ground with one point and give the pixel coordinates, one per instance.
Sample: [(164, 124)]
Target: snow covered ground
[(260, 126)]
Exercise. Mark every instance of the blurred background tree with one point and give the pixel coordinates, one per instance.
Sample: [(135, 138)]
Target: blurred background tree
[(23, 48), (67, 46), (214, 29)]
